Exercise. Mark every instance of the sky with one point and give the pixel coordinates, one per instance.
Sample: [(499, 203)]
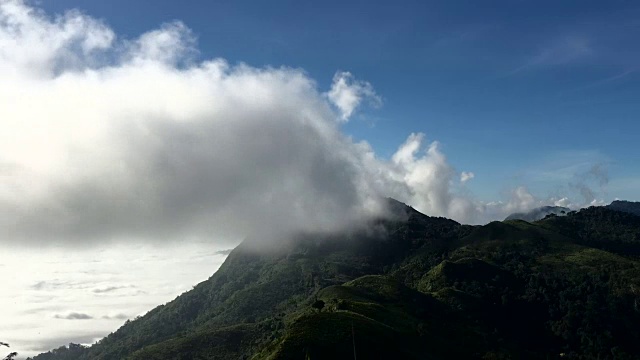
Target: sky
[(507, 87), (130, 129)]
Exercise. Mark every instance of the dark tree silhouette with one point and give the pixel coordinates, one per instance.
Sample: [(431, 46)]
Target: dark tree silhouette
[(318, 304), (11, 355)]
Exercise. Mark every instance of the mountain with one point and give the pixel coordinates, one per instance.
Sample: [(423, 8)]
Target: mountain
[(414, 287), (539, 213), (625, 206)]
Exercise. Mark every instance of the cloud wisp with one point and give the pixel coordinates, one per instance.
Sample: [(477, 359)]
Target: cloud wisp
[(118, 316), (582, 177), (73, 316), (597, 175), (466, 176), (563, 50)]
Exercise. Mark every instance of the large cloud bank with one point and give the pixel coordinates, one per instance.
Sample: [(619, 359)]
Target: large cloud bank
[(108, 138)]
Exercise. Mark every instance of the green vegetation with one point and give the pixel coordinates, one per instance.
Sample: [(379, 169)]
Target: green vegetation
[(73, 351), (417, 287)]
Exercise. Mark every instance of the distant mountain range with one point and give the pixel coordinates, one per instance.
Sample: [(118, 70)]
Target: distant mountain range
[(542, 212), (625, 206), (539, 213), (416, 287)]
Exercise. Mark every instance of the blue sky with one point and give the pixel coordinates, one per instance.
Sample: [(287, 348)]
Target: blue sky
[(509, 88)]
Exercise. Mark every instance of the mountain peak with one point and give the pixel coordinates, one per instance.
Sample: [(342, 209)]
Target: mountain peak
[(625, 206)]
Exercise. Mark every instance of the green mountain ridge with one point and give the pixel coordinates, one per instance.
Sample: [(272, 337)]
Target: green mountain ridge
[(417, 287)]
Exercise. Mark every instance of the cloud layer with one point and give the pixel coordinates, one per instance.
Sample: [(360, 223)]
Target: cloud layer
[(59, 295)]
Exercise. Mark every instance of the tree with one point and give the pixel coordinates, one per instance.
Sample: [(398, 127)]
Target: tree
[(318, 304), (11, 355)]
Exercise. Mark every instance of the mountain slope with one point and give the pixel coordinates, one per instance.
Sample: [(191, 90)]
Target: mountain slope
[(625, 206), (416, 287), (601, 228)]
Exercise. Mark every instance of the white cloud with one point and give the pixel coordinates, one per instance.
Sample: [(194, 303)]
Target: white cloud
[(347, 94), (564, 202), (34, 45), (427, 181), (466, 176), (148, 146), (521, 200), (109, 139), (172, 43), (153, 145)]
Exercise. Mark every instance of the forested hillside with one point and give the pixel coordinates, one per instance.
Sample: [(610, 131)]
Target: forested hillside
[(413, 288)]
